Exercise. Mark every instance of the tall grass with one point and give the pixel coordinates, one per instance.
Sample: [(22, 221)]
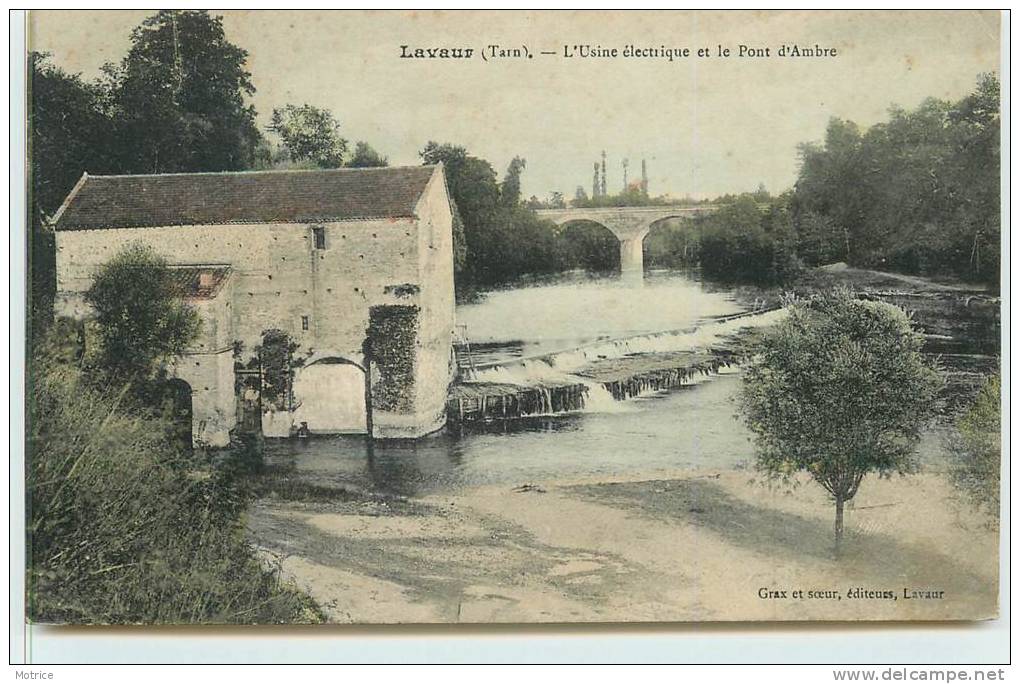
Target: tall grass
[(125, 528)]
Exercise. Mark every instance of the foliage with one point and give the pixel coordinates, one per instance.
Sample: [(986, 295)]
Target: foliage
[(70, 130), (179, 98), (276, 356), (310, 134), (366, 156), (141, 316), (472, 185), (978, 449), (510, 188), (392, 335), (589, 246), (176, 102), (673, 243), (918, 193), (633, 196), (122, 528), (840, 389), (745, 242)]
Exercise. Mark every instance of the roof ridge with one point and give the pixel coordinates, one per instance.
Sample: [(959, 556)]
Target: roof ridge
[(256, 172), (245, 197)]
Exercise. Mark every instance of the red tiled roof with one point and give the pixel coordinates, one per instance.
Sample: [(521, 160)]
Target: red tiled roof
[(245, 197), (199, 281)]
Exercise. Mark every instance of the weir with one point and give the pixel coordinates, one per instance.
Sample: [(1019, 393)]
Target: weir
[(595, 376)]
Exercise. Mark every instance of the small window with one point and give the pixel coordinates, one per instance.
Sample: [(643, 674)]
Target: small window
[(304, 322), (319, 233)]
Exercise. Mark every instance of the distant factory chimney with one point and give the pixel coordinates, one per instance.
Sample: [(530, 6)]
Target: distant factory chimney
[(625, 162), (595, 182), (603, 188), (644, 177)]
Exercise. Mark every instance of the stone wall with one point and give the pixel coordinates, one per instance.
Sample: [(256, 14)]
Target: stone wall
[(321, 297)]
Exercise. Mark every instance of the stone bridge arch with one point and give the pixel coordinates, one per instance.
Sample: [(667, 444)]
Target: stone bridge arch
[(630, 225)]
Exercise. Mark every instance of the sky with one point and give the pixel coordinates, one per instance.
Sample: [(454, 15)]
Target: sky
[(706, 126)]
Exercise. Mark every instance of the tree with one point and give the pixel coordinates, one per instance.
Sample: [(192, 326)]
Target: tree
[(742, 242), (918, 193), (141, 316), (976, 472), (180, 97), (70, 133), (365, 156), (839, 389), (472, 184), (510, 188), (310, 134)]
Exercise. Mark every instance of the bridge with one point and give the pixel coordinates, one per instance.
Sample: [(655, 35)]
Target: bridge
[(630, 225)]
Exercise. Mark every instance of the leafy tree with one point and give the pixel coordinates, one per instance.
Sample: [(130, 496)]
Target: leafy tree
[(510, 188), (978, 448), (840, 389), (310, 134), (142, 319), (472, 184), (70, 132), (917, 193), (366, 156), (179, 96), (743, 241)]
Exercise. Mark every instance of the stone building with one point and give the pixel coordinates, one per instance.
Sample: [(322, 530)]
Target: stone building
[(334, 258)]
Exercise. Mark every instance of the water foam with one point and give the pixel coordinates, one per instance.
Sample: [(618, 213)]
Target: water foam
[(560, 368)]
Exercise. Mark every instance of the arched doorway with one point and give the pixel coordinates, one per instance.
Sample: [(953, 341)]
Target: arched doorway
[(329, 394), (585, 244)]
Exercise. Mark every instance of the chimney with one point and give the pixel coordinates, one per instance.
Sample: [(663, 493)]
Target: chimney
[(603, 188)]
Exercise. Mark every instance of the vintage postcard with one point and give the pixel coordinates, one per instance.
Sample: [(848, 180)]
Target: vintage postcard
[(513, 317)]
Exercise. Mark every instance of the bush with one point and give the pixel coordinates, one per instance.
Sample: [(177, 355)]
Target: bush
[(977, 471), (123, 528)]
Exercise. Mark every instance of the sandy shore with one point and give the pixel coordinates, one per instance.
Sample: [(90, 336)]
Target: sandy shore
[(668, 546)]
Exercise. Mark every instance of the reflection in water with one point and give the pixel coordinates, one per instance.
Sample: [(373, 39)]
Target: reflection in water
[(687, 428), (691, 428)]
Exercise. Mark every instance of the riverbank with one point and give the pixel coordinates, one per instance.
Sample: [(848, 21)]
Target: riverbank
[(663, 546), (635, 510)]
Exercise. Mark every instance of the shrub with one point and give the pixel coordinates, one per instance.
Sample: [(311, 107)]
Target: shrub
[(977, 471), (122, 528)]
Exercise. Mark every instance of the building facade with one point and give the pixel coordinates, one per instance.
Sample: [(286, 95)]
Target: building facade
[(340, 260)]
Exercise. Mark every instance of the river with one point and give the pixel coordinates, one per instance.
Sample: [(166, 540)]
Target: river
[(693, 427)]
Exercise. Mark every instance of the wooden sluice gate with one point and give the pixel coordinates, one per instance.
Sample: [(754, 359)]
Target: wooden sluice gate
[(486, 401)]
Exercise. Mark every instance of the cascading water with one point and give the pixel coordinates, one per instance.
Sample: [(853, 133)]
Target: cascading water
[(566, 368)]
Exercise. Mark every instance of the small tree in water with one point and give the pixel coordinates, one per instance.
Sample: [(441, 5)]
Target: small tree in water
[(840, 389)]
